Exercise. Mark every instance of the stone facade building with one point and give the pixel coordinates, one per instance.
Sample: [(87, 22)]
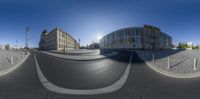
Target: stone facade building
[(57, 39)]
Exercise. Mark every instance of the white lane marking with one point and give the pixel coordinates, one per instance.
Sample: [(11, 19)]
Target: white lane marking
[(54, 88)]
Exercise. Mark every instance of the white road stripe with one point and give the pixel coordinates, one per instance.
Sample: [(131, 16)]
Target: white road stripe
[(54, 88)]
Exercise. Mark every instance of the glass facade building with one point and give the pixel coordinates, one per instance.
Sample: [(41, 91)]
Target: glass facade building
[(147, 37)]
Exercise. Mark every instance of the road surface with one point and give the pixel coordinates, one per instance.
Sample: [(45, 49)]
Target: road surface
[(142, 83), (83, 74)]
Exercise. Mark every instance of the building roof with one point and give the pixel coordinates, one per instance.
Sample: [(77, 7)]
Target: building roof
[(122, 29), (57, 28), (45, 31), (145, 26)]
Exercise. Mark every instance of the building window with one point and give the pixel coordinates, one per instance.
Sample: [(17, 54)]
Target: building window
[(131, 39)]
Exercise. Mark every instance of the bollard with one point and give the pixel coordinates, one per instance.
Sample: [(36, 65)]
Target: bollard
[(11, 59), (194, 68), (168, 63), (19, 56)]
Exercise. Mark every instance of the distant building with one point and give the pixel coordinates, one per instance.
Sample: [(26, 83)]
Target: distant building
[(94, 46), (5, 47), (57, 39), (2, 47), (146, 37)]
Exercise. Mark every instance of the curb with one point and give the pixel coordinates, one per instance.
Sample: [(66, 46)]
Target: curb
[(57, 89), (79, 53), (169, 74), (113, 54), (8, 70)]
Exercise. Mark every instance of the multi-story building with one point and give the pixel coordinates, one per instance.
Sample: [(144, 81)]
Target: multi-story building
[(57, 39), (146, 37), (94, 46), (2, 47), (5, 47)]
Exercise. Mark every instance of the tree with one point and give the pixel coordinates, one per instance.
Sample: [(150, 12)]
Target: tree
[(183, 46)]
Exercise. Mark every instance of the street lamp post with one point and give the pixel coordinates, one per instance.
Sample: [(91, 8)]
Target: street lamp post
[(16, 46), (65, 44), (27, 30), (79, 42)]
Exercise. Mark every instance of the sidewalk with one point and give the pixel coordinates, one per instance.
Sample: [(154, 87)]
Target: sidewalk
[(81, 57), (10, 60), (78, 52), (180, 64)]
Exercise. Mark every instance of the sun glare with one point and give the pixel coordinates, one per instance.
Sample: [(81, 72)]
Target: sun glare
[(99, 37)]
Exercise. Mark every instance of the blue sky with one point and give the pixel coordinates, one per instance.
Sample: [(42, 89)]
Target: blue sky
[(88, 19)]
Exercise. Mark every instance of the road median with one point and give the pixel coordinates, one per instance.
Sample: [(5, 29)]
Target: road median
[(80, 57)]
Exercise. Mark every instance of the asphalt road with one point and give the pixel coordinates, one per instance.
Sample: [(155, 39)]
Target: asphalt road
[(83, 74), (142, 83)]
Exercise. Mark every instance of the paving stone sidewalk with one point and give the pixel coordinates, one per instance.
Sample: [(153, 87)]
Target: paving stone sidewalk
[(180, 61), (5, 58)]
